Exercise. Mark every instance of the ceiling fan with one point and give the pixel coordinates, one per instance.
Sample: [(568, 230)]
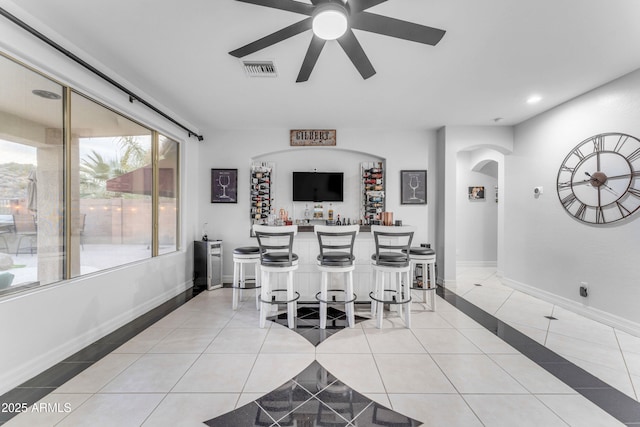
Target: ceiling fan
[(335, 20)]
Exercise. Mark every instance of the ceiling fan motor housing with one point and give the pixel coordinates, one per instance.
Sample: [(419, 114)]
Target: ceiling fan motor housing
[(337, 5), (330, 19)]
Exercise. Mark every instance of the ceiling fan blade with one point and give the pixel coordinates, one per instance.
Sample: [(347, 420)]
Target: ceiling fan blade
[(288, 5), (360, 5), (392, 27), (271, 39), (310, 59), (354, 51)]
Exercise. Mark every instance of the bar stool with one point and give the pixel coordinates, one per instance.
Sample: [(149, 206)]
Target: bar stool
[(426, 258), (242, 257), (391, 257), (336, 256), (276, 256)]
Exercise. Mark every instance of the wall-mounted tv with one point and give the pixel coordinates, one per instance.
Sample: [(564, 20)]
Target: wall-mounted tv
[(318, 186)]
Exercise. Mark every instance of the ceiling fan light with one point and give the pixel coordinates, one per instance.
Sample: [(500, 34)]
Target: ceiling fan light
[(330, 24)]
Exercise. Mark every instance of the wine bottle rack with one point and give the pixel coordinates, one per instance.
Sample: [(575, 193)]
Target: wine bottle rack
[(261, 193), (373, 191)]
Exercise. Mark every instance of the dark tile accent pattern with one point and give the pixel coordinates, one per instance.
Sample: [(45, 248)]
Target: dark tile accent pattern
[(314, 397), (44, 383), (617, 404), (308, 322)]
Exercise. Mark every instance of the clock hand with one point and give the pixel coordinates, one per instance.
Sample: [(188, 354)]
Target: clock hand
[(586, 181), (601, 183), (627, 175)]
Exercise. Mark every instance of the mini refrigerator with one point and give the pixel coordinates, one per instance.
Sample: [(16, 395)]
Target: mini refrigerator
[(207, 264)]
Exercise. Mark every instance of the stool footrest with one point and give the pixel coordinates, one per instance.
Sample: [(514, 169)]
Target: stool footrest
[(355, 297), (246, 288), (388, 301), (416, 288), (281, 302)]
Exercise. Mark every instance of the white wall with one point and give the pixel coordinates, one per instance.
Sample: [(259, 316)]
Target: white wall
[(547, 251), (40, 328), (477, 220), (306, 159), (237, 148)]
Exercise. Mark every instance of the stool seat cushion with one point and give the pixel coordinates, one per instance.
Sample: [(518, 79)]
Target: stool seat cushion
[(391, 259), (278, 258), (336, 259), (247, 250), (421, 251)]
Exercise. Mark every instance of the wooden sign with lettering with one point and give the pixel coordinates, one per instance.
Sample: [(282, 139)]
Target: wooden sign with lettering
[(313, 137)]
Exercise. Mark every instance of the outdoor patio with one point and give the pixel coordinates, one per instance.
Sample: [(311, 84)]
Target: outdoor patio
[(94, 257)]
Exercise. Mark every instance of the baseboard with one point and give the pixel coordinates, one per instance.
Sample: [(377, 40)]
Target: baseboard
[(38, 364), (444, 283), (584, 310)]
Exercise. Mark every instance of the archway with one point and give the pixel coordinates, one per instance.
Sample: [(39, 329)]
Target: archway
[(482, 143), (477, 209)]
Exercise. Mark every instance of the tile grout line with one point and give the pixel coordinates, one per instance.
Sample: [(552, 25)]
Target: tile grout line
[(384, 386), (548, 331), (505, 301), (624, 359), (453, 298), (165, 308)]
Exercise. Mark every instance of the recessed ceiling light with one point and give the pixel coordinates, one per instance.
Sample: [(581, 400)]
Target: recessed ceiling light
[(45, 94), (330, 21), (533, 99)]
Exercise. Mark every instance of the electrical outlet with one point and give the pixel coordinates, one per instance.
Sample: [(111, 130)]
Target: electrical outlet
[(584, 290)]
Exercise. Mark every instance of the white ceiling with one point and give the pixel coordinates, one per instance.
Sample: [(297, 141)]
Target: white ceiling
[(494, 55)]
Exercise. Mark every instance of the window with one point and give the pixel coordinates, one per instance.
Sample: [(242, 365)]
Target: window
[(111, 188), (78, 200), (168, 195), (31, 177)]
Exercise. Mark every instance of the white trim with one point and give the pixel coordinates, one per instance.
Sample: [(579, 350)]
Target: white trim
[(12, 378), (446, 283), (582, 309)]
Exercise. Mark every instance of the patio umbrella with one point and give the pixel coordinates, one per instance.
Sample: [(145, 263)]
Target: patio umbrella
[(32, 192)]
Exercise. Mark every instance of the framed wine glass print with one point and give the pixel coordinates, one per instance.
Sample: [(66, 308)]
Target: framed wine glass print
[(224, 185), (413, 187)]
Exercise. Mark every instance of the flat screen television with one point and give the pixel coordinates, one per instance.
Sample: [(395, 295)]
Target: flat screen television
[(318, 186)]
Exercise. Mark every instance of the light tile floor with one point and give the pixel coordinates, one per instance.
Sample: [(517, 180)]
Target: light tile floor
[(608, 353), (204, 360)]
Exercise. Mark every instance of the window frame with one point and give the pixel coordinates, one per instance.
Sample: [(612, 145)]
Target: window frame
[(67, 168)]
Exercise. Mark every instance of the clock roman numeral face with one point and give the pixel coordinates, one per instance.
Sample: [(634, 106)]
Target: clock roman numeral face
[(599, 180)]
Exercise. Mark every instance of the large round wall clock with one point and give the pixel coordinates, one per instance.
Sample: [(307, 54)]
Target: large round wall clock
[(599, 180)]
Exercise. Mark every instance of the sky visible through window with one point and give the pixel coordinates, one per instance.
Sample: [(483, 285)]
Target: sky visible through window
[(11, 152)]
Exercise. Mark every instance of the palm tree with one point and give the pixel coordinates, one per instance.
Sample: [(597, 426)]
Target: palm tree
[(134, 152), (94, 173), (95, 170)]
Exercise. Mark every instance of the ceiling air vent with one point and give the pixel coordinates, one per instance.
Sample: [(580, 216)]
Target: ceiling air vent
[(260, 68)]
